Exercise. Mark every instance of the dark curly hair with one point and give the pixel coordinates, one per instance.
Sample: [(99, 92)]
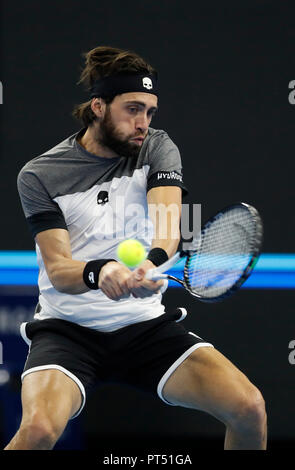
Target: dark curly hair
[(104, 61)]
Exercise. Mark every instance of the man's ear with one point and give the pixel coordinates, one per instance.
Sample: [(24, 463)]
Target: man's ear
[(98, 107)]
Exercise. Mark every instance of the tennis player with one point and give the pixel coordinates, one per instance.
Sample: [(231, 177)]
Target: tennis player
[(97, 320)]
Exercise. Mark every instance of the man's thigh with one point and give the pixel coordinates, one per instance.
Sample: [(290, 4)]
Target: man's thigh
[(52, 393), (208, 381)]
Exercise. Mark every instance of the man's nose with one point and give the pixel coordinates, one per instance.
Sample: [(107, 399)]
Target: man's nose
[(142, 122)]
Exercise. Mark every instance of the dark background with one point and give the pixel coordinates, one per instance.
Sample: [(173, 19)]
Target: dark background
[(224, 76)]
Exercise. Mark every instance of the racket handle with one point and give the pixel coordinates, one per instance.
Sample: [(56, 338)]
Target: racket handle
[(164, 286), (154, 275)]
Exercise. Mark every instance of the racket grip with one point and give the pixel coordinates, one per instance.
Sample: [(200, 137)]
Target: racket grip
[(164, 286), (154, 275)]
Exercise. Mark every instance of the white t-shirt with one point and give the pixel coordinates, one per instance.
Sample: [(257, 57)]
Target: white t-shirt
[(100, 201)]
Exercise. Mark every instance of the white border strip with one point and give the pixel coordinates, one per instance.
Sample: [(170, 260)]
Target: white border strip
[(174, 367), (66, 372), (183, 314), (24, 334)]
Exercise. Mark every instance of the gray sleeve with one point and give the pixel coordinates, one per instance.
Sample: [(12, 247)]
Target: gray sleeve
[(165, 163), (34, 197), (41, 212)]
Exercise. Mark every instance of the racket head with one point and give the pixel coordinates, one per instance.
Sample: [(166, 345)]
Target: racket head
[(224, 254)]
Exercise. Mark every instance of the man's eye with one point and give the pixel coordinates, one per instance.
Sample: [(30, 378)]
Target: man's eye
[(133, 110)]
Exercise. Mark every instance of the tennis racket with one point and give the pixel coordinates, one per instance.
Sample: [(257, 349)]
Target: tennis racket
[(221, 257)]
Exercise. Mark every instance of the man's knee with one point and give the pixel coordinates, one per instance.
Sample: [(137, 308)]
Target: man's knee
[(249, 412), (40, 432)]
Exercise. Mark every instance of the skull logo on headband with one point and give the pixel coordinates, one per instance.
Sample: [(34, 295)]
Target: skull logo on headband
[(118, 84), (147, 83)]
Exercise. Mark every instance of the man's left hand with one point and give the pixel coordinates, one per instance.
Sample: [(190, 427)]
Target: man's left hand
[(139, 286)]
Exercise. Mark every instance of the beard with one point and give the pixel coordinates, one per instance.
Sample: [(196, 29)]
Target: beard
[(113, 139)]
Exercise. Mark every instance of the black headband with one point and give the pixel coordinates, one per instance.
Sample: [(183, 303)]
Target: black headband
[(118, 84)]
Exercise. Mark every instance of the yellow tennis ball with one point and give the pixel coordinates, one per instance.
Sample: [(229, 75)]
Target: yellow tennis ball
[(131, 252)]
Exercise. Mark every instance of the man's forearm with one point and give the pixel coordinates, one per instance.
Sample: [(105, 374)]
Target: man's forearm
[(168, 244), (164, 205), (66, 276)]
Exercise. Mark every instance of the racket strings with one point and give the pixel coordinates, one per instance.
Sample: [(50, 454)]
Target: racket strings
[(225, 248)]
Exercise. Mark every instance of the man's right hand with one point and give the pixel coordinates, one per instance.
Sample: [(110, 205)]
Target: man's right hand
[(113, 280)]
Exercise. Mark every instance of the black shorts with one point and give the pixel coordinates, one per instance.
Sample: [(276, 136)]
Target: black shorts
[(143, 355)]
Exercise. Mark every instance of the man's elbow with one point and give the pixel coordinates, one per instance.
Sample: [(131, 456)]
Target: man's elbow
[(58, 283), (57, 277)]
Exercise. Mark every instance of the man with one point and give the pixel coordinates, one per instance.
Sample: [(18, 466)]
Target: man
[(96, 319)]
